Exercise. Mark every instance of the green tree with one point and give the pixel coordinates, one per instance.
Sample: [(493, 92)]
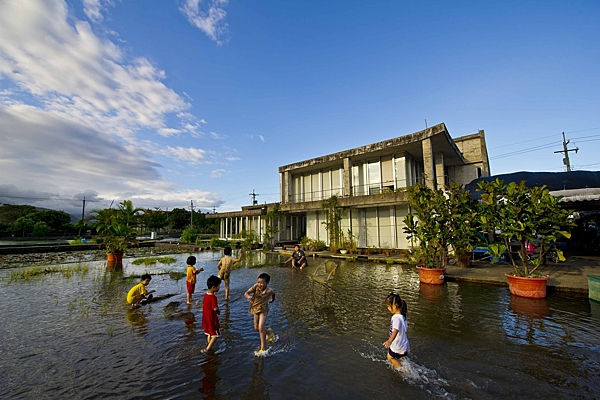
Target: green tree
[(10, 213), (41, 229), (127, 214), (23, 224), (56, 220), (156, 219), (179, 219)]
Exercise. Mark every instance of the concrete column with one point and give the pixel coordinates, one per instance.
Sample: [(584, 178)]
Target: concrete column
[(428, 163), (439, 170), (286, 187), (394, 243), (347, 177)]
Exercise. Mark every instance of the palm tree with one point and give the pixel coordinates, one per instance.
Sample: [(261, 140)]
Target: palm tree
[(127, 214)]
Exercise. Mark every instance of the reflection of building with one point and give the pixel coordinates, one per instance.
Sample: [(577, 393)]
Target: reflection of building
[(369, 182)]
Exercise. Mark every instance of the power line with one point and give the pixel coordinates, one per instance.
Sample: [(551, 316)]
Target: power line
[(527, 150)]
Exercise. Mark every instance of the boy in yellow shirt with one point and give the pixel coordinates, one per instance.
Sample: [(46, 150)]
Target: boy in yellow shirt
[(138, 294), (190, 279)]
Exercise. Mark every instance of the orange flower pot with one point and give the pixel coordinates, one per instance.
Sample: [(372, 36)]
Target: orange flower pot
[(110, 257), (532, 288), (431, 276)]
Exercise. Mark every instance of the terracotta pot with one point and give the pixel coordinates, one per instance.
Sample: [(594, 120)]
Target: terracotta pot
[(532, 288), (431, 276), (110, 257), (119, 256)]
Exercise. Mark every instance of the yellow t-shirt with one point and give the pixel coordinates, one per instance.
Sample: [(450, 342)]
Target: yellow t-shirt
[(136, 292), (191, 275)]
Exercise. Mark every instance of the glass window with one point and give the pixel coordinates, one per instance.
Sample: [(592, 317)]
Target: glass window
[(374, 177), (385, 227), (326, 181), (306, 189), (400, 169), (316, 186), (358, 180)]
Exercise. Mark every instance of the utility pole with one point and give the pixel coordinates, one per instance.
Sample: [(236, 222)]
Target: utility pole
[(192, 213), (566, 152), (83, 210), (214, 210), (254, 201)]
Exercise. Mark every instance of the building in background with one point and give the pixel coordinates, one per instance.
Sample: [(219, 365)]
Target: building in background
[(368, 181)]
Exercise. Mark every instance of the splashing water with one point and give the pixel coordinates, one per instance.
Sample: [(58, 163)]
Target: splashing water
[(411, 372)]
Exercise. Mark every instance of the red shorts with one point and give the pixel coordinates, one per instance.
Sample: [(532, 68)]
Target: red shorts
[(190, 287)]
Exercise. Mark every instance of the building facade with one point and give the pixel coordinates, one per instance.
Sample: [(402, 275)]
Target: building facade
[(369, 183)]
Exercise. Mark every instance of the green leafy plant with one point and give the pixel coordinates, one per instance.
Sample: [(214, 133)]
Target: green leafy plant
[(442, 218), (335, 214), (272, 219), (523, 215), (189, 235)]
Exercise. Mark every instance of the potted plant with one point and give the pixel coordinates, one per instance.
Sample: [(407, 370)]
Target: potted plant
[(438, 219), (524, 216)]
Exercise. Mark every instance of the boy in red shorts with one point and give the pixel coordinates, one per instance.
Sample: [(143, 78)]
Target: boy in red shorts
[(190, 279)]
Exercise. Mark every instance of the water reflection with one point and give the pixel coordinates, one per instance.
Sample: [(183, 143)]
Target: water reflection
[(532, 308), (258, 387), (114, 265), (137, 319), (432, 292), (209, 379)]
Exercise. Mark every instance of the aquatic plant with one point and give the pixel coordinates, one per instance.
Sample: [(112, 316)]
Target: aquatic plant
[(154, 260), (32, 272), (389, 262)]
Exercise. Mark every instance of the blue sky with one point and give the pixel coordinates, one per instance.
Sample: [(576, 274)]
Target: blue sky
[(163, 102)]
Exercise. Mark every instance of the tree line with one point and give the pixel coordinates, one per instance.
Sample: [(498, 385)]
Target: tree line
[(26, 220)]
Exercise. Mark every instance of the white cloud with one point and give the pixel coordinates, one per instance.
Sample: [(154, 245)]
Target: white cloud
[(231, 158), (73, 73), (93, 9), (190, 154), (210, 20), (261, 137), (73, 111), (216, 136), (202, 121), (217, 173)]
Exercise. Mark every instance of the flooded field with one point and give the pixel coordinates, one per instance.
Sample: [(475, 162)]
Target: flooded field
[(71, 335)]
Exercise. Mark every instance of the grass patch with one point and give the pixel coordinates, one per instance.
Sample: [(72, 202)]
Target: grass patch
[(154, 260), (33, 272), (175, 275)]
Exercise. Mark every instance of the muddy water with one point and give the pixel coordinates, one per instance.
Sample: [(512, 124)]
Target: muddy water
[(75, 338)]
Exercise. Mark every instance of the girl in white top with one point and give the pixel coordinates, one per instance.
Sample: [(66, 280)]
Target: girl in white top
[(397, 344)]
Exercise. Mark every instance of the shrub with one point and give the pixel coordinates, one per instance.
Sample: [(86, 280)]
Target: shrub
[(189, 235)]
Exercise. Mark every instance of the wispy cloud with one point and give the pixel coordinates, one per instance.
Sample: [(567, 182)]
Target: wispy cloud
[(190, 154), (93, 9), (217, 173), (210, 19), (216, 136), (231, 158), (261, 137)]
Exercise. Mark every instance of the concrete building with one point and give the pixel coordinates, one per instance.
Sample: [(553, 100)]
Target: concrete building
[(368, 181)]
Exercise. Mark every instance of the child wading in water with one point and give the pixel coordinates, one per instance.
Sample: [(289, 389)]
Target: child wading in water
[(190, 280), (138, 294), (224, 267), (397, 344), (210, 312), (260, 295)]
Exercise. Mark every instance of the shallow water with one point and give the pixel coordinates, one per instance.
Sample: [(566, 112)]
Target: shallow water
[(76, 338)]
